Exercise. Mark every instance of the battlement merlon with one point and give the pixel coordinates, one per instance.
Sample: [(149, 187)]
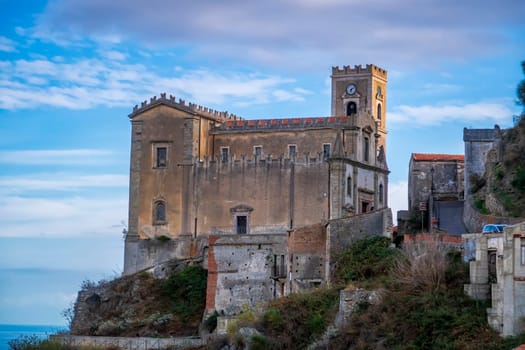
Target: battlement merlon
[(191, 108), (261, 125), (358, 69)]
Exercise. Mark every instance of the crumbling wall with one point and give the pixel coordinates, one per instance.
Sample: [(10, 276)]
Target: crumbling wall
[(240, 271)]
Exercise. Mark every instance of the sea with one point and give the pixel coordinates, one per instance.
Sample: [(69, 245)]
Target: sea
[(10, 331)]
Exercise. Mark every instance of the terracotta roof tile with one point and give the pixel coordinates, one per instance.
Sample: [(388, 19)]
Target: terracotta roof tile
[(437, 157)]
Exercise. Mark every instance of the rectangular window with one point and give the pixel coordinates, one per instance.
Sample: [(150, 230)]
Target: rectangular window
[(326, 151), (366, 149), (292, 151), (160, 155), (522, 251), (225, 154), (279, 270), (257, 151), (349, 186), (242, 224)]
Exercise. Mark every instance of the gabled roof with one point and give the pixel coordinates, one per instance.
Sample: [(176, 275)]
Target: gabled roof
[(433, 157)]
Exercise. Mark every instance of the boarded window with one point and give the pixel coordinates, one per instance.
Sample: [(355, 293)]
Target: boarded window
[(161, 157)]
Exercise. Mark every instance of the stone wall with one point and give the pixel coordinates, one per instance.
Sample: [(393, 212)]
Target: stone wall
[(129, 343), (307, 256), (497, 270), (144, 254), (241, 271), (342, 233)]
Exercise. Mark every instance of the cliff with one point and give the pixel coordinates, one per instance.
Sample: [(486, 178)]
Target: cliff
[(143, 305), (500, 191)]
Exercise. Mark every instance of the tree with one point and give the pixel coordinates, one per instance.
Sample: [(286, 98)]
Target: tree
[(521, 88)]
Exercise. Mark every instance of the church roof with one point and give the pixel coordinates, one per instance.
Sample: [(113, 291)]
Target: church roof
[(429, 157)]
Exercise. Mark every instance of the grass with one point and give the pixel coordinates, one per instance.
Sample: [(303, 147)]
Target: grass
[(295, 321), (424, 307)]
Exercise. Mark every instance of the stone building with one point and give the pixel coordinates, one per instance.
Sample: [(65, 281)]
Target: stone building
[(240, 191), (497, 273), (435, 188)]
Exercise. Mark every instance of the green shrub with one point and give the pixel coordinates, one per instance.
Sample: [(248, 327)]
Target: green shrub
[(294, 321), (259, 342), (499, 171), (163, 238), (211, 322), (519, 179), (273, 319), (366, 260), (187, 291), (480, 205)]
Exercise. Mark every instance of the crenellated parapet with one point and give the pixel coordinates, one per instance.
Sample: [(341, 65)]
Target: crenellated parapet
[(181, 104), (243, 125), (358, 69)]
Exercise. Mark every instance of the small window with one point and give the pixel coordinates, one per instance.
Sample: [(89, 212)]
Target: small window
[(242, 224), (159, 213), (225, 154), (381, 193), (292, 151), (351, 108), (161, 156), (326, 151), (257, 150), (366, 149), (349, 186), (522, 251), (379, 111), (379, 91)]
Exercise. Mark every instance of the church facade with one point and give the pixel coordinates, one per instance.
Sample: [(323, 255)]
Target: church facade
[(197, 172)]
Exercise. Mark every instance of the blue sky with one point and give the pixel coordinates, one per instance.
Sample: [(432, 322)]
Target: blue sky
[(71, 72)]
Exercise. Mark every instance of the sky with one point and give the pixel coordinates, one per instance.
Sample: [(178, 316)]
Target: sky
[(71, 72)]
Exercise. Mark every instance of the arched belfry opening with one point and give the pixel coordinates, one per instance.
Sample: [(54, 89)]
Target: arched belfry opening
[(351, 108)]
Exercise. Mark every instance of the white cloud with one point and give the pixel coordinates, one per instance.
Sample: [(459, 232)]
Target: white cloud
[(59, 182), (114, 55), (435, 115), (60, 157), (7, 45), (67, 216), (404, 31), (397, 197), (87, 83)]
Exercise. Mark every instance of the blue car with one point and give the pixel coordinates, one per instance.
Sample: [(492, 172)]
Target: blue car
[(493, 228)]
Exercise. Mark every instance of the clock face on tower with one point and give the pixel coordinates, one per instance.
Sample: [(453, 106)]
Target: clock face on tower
[(350, 89)]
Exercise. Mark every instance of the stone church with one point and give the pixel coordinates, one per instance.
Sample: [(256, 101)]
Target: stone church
[(197, 173)]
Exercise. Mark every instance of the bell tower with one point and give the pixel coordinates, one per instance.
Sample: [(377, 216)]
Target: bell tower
[(360, 90)]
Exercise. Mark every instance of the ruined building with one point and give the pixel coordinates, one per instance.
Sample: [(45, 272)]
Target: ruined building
[(435, 188), (247, 195)]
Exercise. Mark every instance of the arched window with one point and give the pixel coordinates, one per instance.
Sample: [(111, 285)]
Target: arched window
[(379, 111), (381, 193), (159, 213), (351, 108)]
